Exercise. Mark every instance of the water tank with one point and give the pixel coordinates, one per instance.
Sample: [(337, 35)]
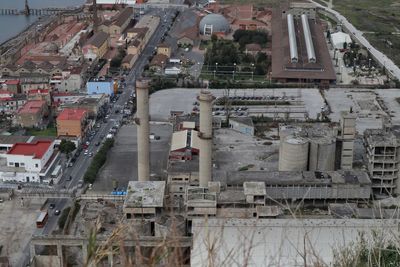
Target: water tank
[(322, 154), (293, 154)]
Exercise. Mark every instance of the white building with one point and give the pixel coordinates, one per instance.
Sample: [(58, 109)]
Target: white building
[(338, 39), (27, 162), (68, 81)]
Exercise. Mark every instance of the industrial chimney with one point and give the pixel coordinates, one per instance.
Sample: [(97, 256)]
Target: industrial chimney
[(143, 128), (205, 164)]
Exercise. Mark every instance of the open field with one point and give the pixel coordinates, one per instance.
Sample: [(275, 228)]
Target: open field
[(381, 25), (265, 3)]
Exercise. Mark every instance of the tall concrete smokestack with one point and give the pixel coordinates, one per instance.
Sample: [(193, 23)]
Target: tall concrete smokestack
[(143, 128), (205, 164)]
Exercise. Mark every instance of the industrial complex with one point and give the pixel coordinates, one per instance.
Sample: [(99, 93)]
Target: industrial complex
[(196, 133)]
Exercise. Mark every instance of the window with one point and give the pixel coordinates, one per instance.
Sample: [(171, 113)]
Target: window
[(22, 164), (11, 163), (37, 165)]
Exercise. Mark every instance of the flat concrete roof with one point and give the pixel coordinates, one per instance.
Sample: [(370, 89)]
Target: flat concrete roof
[(148, 194), (254, 188), (295, 178)]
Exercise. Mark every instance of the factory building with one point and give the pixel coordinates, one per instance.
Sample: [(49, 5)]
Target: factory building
[(311, 147), (300, 186), (383, 157), (299, 50), (318, 147)]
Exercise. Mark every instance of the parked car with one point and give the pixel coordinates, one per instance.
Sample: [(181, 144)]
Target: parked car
[(52, 206), (57, 212)]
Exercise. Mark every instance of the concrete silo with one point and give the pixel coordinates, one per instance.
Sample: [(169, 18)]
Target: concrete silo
[(293, 154), (322, 153)]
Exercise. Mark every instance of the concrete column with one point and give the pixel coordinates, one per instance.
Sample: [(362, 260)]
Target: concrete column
[(85, 252), (32, 251), (110, 258), (205, 159), (143, 128)]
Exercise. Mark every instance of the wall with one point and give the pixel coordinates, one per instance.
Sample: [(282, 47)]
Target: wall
[(69, 127), (21, 177), (240, 127), (72, 83), (30, 162)]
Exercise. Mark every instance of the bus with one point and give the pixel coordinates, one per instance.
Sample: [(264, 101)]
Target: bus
[(42, 219)]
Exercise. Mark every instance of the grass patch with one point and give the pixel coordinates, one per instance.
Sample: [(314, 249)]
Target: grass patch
[(382, 19), (63, 218), (50, 131)]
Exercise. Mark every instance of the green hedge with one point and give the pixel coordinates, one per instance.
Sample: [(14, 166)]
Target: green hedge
[(63, 218), (98, 162)]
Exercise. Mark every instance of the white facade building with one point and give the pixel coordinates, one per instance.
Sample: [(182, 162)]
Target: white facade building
[(26, 162)]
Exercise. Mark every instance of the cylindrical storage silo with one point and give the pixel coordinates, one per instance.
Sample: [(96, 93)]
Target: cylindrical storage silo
[(322, 154), (293, 154), (286, 130)]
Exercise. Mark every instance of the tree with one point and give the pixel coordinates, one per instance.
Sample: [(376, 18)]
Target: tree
[(67, 147), (214, 38)]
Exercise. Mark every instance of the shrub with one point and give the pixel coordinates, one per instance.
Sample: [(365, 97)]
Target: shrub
[(63, 218), (98, 162)]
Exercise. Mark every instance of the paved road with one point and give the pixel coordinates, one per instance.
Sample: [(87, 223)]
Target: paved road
[(358, 35), (78, 170)]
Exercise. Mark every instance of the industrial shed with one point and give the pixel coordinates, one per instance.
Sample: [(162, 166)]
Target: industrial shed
[(184, 145)]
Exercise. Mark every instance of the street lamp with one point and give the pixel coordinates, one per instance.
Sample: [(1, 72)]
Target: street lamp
[(216, 66), (214, 74), (233, 72), (252, 70)]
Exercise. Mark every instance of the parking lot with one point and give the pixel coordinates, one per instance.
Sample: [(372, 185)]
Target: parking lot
[(303, 101), (121, 164)]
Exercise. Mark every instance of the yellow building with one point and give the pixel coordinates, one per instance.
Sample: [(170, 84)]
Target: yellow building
[(97, 46), (72, 122)]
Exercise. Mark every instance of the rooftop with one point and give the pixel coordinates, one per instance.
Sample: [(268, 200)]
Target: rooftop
[(98, 39), (254, 188), (282, 68), (72, 114), (295, 178), (123, 16), (148, 194), (37, 150), (32, 106)]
